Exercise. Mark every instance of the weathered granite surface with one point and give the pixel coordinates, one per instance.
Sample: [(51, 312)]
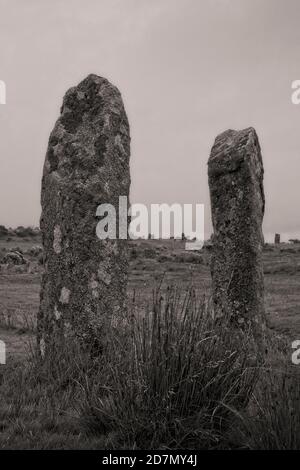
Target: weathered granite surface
[(87, 163), (235, 171)]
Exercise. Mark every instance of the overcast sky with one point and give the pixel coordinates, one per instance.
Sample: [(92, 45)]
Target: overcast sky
[(187, 70)]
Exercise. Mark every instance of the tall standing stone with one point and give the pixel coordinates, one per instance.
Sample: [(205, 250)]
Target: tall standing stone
[(277, 238), (235, 172), (87, 163)]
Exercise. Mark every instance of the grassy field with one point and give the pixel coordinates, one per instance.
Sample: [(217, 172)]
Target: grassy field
[(151, 262), (27, 422)]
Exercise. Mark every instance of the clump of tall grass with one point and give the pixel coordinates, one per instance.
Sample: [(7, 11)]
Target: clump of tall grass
[(276, 424), (171, 378), (36, 401), (272, 418)]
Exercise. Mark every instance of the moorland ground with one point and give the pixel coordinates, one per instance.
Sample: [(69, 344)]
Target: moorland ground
[(152, 263)]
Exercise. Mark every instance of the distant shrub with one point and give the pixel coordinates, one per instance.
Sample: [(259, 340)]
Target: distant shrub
[(188, 258), (281, 268), (17, 249), (193, 258), (23, 232), (20, 269), (14, 258), (165, 258), (149, 253), (288, 250), (268, 247), (133, 253), (3, 231), (35, 251)]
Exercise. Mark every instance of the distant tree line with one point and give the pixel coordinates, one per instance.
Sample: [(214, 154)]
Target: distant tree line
[(20, 231)]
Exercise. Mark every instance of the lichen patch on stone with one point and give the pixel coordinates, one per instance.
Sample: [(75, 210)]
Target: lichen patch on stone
[(118, 143), (67, 329), (42, 347), (57, 239), (64, 296), (94, 284), (57, 313), (95, 293), (104, 276)]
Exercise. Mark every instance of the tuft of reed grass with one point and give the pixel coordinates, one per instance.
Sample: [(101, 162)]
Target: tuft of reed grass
[(272, 419), (168, 379)]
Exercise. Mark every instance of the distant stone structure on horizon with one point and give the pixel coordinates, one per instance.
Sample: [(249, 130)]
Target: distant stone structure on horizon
[(277, 238)]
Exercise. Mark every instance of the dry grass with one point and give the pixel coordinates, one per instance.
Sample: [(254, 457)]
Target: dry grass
[(170, 379), (169, 382), (173, 379)]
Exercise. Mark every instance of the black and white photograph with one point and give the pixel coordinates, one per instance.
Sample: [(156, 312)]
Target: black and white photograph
[(149, 230)]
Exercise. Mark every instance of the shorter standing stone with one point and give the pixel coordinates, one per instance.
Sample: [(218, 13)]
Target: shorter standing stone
[(277, 238), (235, 172)]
